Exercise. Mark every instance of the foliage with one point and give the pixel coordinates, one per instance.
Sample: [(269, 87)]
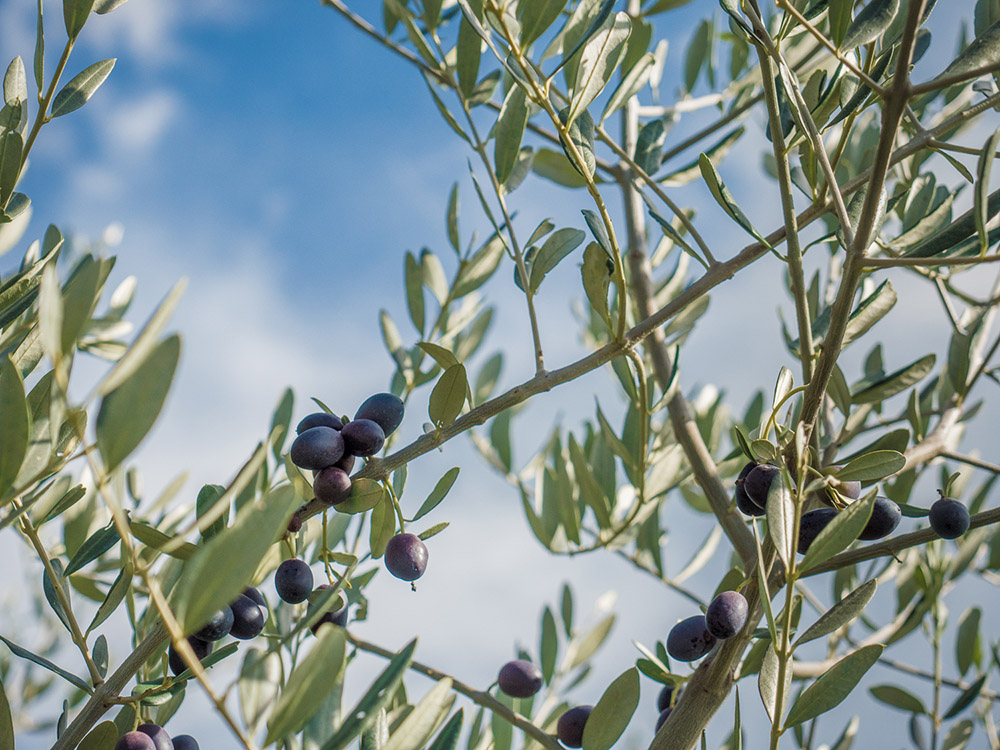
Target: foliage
[(532, 87)]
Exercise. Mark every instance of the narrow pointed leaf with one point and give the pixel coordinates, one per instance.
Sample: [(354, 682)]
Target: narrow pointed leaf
[(438, 494), (649, 146), (958, 736), (833, 686), (967, 698), (982, 188), (223, 567), (128, 412), (96, 545), (378, 695), (724, 198), (559, 244), (840, 532), (870, 23), (767, 683), (448, 396), (898, 698), (840, 613), (893, 383), (870, 311), (509, 131), (631, 84), (872, 466), (14, 426), (447, 738), (46, 664), (365, 495), (15, 82), (306, 687), (78, 91), (602, 15), (536, 17), (556, 166), (781, 519), (101, 737), (598, 62), (581, 135), (984, 50), (10, 163), (75, 14), (417, 728), (613, 712), (145, 342)]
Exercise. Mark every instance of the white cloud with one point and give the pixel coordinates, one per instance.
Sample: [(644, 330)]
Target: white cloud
[(152, 31), (98, 181), (137, 124)]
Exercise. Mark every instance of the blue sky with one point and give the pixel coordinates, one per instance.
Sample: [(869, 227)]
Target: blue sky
[(283, 163)]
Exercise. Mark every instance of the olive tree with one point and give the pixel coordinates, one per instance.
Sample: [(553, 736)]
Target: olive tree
[(871, 170)]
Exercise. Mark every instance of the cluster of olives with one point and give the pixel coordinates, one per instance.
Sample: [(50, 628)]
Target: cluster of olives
[(754, 483), (243, 619), (154, 737), (692, 638), (327, 445)]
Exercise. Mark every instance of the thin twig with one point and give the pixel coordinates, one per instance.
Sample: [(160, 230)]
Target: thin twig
[(479, 697)]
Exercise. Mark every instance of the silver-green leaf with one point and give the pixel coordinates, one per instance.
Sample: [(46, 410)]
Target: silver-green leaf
[(78, 91)]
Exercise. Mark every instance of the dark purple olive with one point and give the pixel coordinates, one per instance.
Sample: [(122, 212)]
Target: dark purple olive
[(663, 700), (135, 741), (293, 580), (346, 462), (201, 650), (663, 717), (256, 596), (158, 734), (850, 489), (758, 483), (727, 614), (336, 617), (689, 639), (319, 419), (185, 742), (520, 679), (569, 728), (813, 522), (949, 518), (363, 437), (248, 618), (218, 627), (747, 506), (406, 556), (885, 517), (385, 409), (332, 485), (295, 524), (317, 448)]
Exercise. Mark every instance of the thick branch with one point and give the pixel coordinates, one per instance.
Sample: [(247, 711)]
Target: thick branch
[(104, 697), (685, 429)]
